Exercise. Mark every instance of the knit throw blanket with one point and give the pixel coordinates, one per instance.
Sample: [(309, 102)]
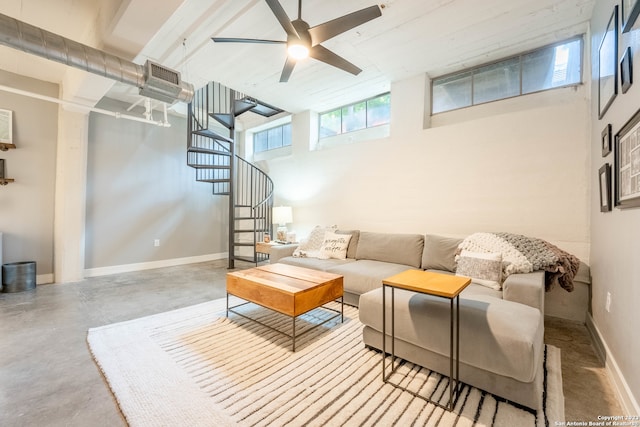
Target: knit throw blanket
[(522, 254)]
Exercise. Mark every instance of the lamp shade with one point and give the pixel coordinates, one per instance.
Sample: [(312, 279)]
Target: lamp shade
[(282, 215)]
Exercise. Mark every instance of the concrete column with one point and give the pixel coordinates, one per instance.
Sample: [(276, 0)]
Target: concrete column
[(70, 195), (408, 109)]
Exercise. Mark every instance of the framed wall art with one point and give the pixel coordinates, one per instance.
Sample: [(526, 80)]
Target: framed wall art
[(608, 65), (604, 177), (630, 12), (627, 164), (606, 140), (6, 131), (626, 71)]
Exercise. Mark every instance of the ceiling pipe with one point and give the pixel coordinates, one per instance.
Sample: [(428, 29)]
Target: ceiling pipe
[(64, 103), (152, 79)]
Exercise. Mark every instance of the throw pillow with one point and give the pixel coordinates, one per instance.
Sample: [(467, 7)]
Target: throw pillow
[(483, 268), (334, 246), (353, 244), (440, 253), (310, 246)]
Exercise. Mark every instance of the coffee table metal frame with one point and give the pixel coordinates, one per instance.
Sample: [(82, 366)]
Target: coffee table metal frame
[(385, 377), (293, 336)]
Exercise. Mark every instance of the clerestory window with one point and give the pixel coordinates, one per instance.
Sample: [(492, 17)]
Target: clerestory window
[(272, 138), (364, 114), (550, 67)]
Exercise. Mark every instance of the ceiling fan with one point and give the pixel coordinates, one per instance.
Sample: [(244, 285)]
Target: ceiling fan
[(303, 41)]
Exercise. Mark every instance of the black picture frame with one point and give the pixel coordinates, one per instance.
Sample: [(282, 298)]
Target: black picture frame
[(606, 140), (626, 70), (608, 65), (604, 178), (630, 12), (627, 164)]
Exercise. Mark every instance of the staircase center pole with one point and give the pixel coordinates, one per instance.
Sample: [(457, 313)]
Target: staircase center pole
[(232, 179)]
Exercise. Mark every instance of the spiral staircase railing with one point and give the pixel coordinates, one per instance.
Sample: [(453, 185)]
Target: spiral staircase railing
[(211, 114)]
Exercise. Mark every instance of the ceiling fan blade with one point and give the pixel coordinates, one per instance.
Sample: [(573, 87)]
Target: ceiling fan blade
[(287, 70), (332, 28), (325, 55), (282, 17), (236, 40)]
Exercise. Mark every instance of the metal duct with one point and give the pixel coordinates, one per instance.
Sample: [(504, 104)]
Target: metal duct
[(28, 38)]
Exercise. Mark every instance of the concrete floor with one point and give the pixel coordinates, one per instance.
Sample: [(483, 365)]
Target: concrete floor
[(48, 378)]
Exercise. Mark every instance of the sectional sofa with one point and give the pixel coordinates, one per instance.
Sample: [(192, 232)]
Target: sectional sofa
[(501, 331)]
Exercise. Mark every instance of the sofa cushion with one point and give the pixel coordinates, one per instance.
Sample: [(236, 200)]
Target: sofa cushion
[(363, 275), (334, 245), (474, 290), (495, 335), (353, 243), (393, 248), (440, 252), (315, 263)]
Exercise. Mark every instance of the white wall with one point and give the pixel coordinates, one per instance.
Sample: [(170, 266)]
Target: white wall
[(139, 189), (519, 165), (26, 206), (615, 249)]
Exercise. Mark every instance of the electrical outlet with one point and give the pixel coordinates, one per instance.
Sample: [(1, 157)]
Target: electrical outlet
[(156, 243), (607, 305)]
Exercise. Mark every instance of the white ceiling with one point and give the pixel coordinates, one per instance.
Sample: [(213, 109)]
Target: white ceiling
[(410, 38)]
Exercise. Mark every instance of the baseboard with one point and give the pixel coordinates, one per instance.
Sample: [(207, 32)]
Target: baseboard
[(126, 268), (43, 279), (624, 394)]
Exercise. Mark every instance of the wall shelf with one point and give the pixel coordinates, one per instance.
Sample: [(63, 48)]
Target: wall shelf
[(5, 146), (5, 181)]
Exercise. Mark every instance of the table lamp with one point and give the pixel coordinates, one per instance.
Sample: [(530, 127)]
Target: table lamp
[(282, 215)]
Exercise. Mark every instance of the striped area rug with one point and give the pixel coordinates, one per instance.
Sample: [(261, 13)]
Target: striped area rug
[(195, 367)]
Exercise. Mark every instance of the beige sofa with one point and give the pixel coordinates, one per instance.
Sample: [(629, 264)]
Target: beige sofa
[(501, 331), (372, 257)]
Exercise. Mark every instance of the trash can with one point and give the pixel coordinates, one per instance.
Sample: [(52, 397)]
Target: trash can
[(18, 276)]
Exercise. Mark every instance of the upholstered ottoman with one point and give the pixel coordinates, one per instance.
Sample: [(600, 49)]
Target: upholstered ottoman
[(501, 342)]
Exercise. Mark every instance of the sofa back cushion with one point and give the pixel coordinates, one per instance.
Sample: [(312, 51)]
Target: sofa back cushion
[(353, 243), (388, 247), (440, 253)]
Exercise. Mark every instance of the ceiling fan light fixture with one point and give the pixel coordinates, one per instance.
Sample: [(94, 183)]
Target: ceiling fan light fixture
[(297, 50), (304, 41)]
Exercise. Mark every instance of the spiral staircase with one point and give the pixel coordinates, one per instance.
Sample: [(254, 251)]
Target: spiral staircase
[(211, 115)]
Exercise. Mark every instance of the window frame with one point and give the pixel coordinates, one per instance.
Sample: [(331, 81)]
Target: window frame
[(341, 108), (266, 132), (519, 56)]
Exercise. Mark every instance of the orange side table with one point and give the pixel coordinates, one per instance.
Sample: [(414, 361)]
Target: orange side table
[(436, 284)]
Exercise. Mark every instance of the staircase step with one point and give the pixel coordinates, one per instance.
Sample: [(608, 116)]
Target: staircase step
[(213, 181), (259, 218), (249, 259), (243, 105), (239, 244), (246, 230), (225, 120), (222, 193), (212, 134), (208, 151), (201, 166), (250, 104)]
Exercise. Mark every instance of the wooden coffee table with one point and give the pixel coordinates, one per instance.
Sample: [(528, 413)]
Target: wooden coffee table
[(286, 289)]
